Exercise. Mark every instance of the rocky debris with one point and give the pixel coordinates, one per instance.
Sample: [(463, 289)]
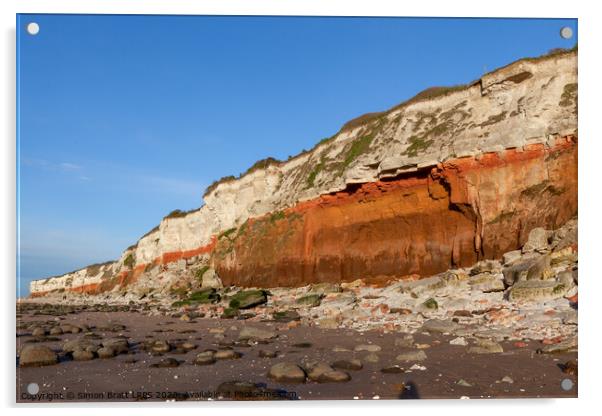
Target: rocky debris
[(252, 333), (324, 373), (166, 363), (205, 358), (287, 372), (246, 299), (349, 365), (486, 346), (418, 355), (37, 356)]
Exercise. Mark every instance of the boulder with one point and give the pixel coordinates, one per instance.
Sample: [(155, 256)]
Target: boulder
[(205, 358), (82, 355), (37, 356), (324, 373), (251, 333), (486, 347), (439, 326), (537, 240), (246, 299), (417, 355), (537, 290), (287, 372), (210, 279)]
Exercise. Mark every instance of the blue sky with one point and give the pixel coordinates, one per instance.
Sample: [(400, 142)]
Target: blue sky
[(124, 118)]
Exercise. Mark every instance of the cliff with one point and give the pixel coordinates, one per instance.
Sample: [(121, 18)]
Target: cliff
[(447, 178)]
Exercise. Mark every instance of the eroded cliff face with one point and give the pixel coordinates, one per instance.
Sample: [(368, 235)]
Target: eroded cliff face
[(447, 178)]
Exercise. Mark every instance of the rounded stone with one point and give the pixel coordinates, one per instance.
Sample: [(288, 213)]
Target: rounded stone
[(37, 356), (287, 373)]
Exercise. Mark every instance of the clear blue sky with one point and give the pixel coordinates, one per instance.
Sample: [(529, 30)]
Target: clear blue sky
[(125, 118)]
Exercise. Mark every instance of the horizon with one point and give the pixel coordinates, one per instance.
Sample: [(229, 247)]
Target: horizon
[(139, 92)]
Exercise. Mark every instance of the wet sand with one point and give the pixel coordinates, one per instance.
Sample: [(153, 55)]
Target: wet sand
[(129, 377)]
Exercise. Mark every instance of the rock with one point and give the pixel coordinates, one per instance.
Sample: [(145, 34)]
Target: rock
[(325, 288), (287, 372), (205, 358), (227, 355), (430, 304), (302, 345), (81, 344), (367, 347), (246, 299), (439, 326), (507, 379), (166, 363), (406, 342), (38, 332), (286, 316), (511, 256), (459, 341), (463, 383), (567, 345), (82, 355), (328, 323), (324, 373), (372, 358), (268, 354), (309, 301), (486, 347), (486, 266), (487, 283), (352, 365), (394, 369), (251, 333), (519, 270), (537, 290), (210, 279), (37, 356), (400, 311), (462, 313), (160, 346), (56, 331), (418, 355), (105, 352), (537, 240), (118, 344), (230, 313)]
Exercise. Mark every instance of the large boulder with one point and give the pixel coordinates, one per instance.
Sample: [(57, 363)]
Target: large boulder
[(286, 372), (246, 299), (37, 356), (210, 279)]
